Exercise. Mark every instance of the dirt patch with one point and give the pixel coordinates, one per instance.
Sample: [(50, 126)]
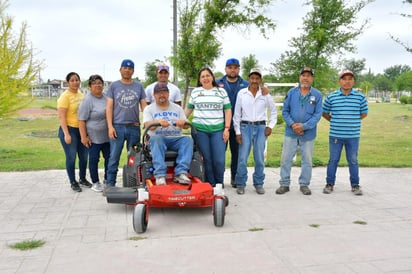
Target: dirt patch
[(37, 112)]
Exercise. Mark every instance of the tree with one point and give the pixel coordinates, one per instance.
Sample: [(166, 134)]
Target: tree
[(200, 21), (328, 31), (396, 39), (18, 68), (247, 64), (394, 71), (356, 66), (404, 81)]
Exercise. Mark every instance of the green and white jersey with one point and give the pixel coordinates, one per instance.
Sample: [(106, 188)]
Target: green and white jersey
[(208, 108)]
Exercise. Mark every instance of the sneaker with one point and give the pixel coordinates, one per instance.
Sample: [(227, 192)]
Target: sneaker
[(233, 183), (260, 190), (282, 190), (240, 190), (75, 186), (161, 181), (357, 190), (328, 189), (305, 190), (105, 189), (182, 179), (98, 187), (85, 183)]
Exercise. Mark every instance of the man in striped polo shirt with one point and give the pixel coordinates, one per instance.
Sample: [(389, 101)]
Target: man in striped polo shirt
[(344, 109)]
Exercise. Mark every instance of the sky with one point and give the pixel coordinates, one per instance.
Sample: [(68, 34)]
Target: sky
[(93, 37)]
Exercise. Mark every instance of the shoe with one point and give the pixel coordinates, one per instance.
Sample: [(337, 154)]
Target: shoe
[(282, 190), (85, 183), (75, 186), (328, 189), (98, 187), (182, 179), (105, 189), (357, 190), (161, 181), (240, 190), (260, 190), (233, 183), (305, 190)]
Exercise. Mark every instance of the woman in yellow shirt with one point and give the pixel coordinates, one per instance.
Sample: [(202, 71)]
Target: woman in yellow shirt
[(69, 134)]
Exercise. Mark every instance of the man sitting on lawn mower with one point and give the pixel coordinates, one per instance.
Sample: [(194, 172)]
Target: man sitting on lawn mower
[(167, 136)]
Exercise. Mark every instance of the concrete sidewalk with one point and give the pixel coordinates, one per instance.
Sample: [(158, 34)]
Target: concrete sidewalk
[(270, 233)]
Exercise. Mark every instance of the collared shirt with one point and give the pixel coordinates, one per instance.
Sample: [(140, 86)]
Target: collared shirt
[(306, 110), (253, 109), (345, 111)]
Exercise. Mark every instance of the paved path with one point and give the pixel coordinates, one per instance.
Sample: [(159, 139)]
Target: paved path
[(262, 234)]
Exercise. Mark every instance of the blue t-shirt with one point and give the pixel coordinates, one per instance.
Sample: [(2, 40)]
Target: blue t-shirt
[(345, 112), (126, 99)]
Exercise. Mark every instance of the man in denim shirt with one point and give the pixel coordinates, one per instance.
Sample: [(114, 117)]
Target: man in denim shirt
[(302, 110)]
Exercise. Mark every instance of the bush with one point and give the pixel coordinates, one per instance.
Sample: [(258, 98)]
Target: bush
[(405, 99)]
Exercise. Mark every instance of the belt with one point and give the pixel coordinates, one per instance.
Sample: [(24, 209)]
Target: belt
[(136, 124), (254, 123)]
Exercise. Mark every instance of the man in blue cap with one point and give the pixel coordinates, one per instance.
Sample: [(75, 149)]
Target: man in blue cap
[(122, 112)]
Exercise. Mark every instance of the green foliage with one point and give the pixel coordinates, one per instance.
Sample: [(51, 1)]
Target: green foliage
[(404, 81), (26, 245), (328, 30), (247, 64), (404, 99), (200, 21), (18, 69)]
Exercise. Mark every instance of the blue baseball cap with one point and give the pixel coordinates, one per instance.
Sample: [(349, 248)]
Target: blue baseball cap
[(127, 63), (232, 61)]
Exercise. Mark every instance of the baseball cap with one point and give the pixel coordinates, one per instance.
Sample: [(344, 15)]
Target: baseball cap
[(232, 61), (160, 87), (162, 67), (256, 71), (127, 63), (306, 69), (346, 72)]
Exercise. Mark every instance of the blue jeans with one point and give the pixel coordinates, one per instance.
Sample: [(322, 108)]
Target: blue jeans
[(70, 150), (183, 145), (94, 157), (130, 134), (234, 151), (335, 150), (289, 148), (251, 135), (213, 148)]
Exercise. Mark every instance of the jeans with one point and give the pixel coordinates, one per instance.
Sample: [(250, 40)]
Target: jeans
[(251, 135), (234, 151), (289, 148), (212, 147), (70, 150), (335, 150), (94, 157), (183, 145), (130, 134)]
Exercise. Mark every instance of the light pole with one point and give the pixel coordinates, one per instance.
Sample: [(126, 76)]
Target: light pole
[(174, 39)]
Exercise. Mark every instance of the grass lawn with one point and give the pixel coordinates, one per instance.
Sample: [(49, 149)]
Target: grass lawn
[(385, 142)]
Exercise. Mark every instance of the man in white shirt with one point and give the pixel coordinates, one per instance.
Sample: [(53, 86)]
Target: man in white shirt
[(252, 128), (162, 74)]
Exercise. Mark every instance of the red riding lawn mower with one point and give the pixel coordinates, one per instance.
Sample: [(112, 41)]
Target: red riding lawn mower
[(140, 189)]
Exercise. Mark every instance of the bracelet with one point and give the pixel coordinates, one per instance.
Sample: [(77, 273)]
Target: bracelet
[(227, 126)]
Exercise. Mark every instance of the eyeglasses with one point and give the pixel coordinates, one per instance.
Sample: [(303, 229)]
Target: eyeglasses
[(97, 84)]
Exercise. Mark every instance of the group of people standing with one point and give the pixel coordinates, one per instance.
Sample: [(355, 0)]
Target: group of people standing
[(226, 112)]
